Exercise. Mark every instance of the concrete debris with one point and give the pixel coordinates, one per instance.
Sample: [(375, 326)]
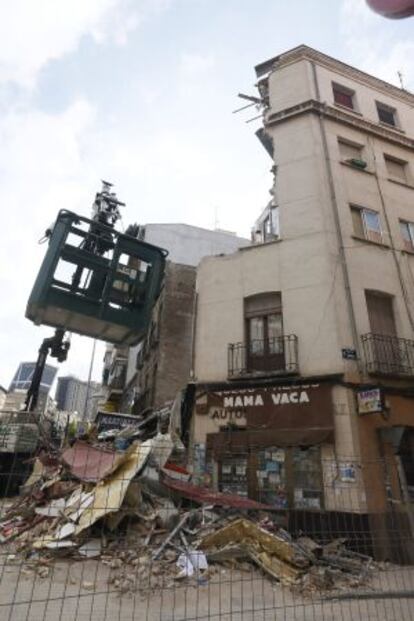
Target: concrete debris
[(91, 549), (123, 510), (244, 539)]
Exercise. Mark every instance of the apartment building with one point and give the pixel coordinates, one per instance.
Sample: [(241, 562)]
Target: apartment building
[(304, 350)]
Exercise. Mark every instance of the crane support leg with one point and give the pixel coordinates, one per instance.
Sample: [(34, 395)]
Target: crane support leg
[(58, 348)]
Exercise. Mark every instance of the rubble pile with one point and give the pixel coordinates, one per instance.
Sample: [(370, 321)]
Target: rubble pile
[(142, 518)]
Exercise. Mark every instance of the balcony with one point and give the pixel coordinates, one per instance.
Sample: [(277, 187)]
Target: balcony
[(263, 358), (117, 375), (388, 355)]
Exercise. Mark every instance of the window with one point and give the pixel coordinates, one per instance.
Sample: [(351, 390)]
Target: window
[(381, 313), (290, 477), (349, 150), (271, 224), (385, 353), (233, 477), (344, 96), (366, 223), (396, 169), (386, 114), (407, 232), (267, 226), (264, 332)]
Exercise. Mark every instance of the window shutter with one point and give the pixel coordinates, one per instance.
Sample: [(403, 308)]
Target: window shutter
[(381, 314), (349, 151), (396, 169), (357, 222)]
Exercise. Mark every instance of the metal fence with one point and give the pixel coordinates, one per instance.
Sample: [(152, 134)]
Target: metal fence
[(273, 534)]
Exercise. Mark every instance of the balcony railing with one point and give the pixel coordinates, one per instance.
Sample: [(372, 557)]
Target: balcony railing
[(388, 355), (275, 356), (117, 376)]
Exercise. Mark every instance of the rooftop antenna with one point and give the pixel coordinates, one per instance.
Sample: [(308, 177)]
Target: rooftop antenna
[(216, 220), (400, 77)]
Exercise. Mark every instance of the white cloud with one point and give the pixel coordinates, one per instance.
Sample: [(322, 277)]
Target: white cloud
[(193, 64), (34, 33), (375, 44), (41, 171), (162, 167)]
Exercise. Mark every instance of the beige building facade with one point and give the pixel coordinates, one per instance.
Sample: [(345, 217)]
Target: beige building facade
[(316, 319)]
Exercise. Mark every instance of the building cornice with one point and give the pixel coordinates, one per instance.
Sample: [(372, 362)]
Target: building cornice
[(303, 52), (340, 116), (232, 385)]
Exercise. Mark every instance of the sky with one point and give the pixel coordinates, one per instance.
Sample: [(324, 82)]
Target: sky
[(142, 93)]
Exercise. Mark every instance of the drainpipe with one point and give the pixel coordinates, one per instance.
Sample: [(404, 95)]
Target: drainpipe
[(193, 333), (338, 229)]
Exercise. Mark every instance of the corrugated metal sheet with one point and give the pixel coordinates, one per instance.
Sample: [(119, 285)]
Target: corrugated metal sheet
[(91, 463), (204, 495)]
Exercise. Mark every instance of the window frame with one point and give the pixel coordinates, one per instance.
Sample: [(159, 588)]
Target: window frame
[(387, 109), (398, 161), (262, 307), (291, 478), (352, 145), (269, 345), (408, 243), (344, 90), (369, 233)]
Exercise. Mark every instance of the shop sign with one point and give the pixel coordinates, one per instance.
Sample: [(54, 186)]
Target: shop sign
[(347, 473), (275, 397), (294, 406), (219, 414), (369, 401), (113, 420), (254, 400)]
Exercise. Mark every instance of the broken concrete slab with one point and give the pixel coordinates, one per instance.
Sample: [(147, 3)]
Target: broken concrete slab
[(277, 557)]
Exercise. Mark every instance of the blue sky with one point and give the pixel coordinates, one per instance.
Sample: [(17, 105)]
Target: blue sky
[(141, 92)]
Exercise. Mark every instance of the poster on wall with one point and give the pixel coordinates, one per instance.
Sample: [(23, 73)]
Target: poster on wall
[(369, 401)]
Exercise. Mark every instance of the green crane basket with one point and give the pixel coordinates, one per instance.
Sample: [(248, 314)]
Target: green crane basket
[(96, 282)]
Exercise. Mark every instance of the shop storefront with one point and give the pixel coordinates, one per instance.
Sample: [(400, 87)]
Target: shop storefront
[(265, 442)]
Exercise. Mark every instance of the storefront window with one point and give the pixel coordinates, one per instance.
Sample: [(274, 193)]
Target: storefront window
[(307, 478), (290, 478), (271, 477), (233, 475)]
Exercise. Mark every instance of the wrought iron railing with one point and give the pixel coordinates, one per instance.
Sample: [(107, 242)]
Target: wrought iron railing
[(278, 356), (388, 355), (117, 376)]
